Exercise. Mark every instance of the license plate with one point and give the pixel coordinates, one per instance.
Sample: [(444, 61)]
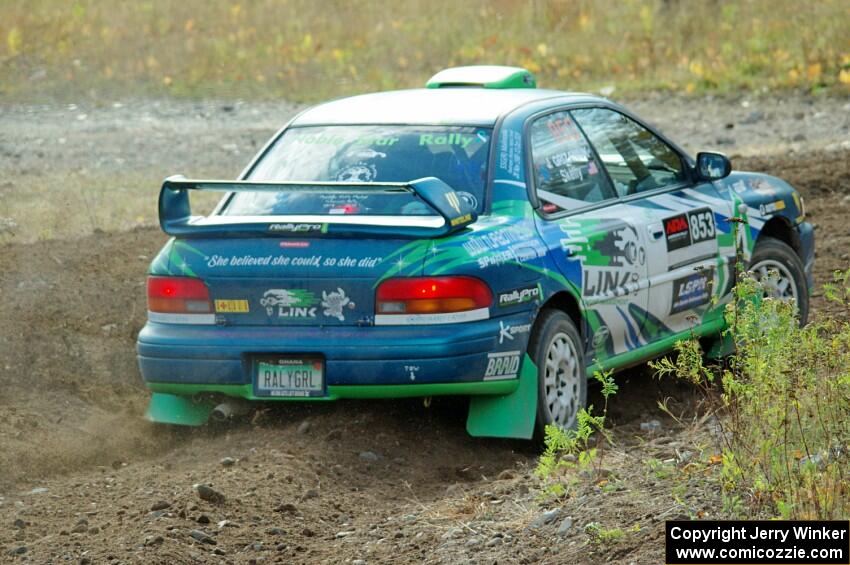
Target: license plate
[(289, 376)]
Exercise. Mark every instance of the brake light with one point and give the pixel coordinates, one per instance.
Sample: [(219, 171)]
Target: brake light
[(432, 295), (178, 295)]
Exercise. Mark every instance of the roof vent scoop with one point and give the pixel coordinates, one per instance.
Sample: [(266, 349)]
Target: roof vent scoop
[(483, 76)]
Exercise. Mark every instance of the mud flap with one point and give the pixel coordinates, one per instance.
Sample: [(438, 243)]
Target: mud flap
[(180, 410), (510, 415), (721, 346)]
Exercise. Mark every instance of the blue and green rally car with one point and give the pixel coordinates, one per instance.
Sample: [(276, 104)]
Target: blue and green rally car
[(477, 237)]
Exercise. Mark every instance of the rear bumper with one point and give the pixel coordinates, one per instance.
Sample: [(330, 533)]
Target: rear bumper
[(367, 362), (807, 252)]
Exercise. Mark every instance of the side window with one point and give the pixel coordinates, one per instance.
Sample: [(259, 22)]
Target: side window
[(566, 173), (635, 158)]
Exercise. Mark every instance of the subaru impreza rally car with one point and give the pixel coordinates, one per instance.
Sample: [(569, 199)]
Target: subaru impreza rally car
[(477, 237)]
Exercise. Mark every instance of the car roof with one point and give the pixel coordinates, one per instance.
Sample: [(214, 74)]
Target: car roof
[(456, 105)]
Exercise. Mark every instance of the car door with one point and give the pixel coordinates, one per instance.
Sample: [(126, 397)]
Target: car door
[(597, 247), (682, 221)]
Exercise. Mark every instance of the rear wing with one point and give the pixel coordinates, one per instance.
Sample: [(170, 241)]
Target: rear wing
[(453, 212)]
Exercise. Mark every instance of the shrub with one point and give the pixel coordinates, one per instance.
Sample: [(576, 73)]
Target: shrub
[(784, 410)]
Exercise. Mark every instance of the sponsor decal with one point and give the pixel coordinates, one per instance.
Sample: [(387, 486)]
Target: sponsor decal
[(461, 219), (689, 229), (469, 198), (520, 255), (334, 302), (677, 231), (510, 152), (294, 244), (295, 303), (453, 200), (692, 291), (298, 228), (502, 365), (601, 281), (563, 129), (507, 332), (481, 244), (626, 258), (519, 296), (344, 209), (359, 172), (771, 207), (762, 186), (600, 336), (451, 139), (739, 186), (231, 306), (419, 319)]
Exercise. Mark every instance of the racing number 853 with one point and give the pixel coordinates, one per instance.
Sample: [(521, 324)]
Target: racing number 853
[(702, 225)]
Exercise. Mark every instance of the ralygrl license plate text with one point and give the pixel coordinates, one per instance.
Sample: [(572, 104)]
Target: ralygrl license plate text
[(289, 377)]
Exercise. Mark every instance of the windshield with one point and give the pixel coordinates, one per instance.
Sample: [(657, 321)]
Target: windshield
[(365, 154)]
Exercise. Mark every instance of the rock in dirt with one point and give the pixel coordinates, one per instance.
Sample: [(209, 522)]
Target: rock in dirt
[(20, 550), (201, 536), (287, 508), (303, 427), (161, 505), (203, 519), (80, 527), (153, 540), (209, 494), (368, 456), (650, 426), (546, 518), (228, 462), (19, 524), (566, 526), (753, 117)]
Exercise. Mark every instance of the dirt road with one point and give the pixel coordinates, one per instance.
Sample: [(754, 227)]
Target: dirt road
[(83, 479)]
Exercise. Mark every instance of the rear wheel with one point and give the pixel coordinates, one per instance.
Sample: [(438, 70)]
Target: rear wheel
[(555, 348), (778, 267)]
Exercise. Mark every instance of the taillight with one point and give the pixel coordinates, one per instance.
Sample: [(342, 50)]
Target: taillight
[(178, 295), (431, 295)]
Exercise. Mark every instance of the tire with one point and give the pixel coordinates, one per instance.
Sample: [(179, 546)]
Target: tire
[(563, 378), (771, 254)]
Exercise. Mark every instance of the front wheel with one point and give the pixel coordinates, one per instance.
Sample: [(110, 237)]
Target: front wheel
[(555, 347), (778, 267)]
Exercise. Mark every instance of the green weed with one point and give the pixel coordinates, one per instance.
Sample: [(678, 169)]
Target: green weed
[(784, 407), (569, 449)]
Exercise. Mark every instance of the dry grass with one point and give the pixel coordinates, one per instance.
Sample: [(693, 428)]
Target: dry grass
[(306, 50)]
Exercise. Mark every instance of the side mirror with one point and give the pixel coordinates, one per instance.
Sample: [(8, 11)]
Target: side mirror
[(713, 166)]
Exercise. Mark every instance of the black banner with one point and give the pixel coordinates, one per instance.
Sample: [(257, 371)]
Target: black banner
[(761, 542)]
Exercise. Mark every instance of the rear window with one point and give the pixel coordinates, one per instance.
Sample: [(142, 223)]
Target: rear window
[(366, 154)]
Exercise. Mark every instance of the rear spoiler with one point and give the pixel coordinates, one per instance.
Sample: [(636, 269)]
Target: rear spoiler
[(175, 214)]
